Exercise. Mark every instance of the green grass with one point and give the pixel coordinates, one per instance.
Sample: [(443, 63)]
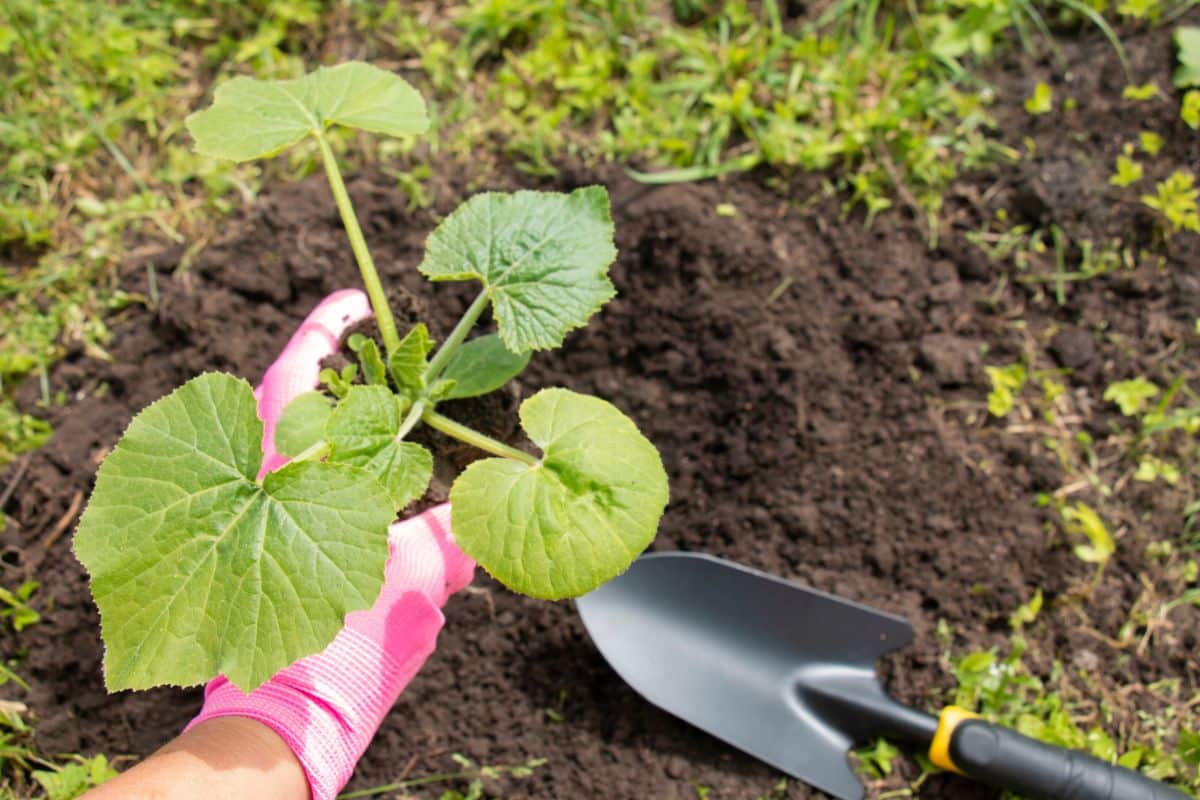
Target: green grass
[(878, 98)]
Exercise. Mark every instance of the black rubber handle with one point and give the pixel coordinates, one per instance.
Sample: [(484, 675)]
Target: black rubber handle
[(1008, 760)]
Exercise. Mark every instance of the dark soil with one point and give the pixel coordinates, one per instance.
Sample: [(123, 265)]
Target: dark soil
[(798, 373)]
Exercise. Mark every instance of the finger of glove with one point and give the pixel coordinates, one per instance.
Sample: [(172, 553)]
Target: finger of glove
[(422, 558), (298, 367)]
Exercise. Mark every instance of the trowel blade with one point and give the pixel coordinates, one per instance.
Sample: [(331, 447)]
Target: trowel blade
[(729, 649)]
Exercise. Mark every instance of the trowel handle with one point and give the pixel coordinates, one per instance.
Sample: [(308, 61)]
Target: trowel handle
[(1006, 759)]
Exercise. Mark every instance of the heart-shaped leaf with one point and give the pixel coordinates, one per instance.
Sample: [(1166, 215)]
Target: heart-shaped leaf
[(542, 257), (576, 519), (362, 432), (482, 365), (198, 569), (252, 119)]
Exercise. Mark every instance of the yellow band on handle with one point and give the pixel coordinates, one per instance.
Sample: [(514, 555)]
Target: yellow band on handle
[(939, 750)]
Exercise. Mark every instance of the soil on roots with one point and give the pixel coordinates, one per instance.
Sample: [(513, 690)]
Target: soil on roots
[(793, 370)]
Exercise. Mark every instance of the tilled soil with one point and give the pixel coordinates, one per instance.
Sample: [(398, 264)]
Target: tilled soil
[(799, 373)]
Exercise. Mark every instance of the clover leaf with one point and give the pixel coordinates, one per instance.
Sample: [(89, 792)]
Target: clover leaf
[(577, 518), (198, 569), (542, 257)]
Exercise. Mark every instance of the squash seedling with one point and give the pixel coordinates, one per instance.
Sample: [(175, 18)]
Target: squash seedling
[(199, 567)]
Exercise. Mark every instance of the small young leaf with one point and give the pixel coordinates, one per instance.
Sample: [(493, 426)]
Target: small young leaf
[(368, 356), (407, 361), (566, 525), (543, 258), (362, 432), (482, 365), (252, 119), (1083, 519), (1041, 101), (338, 383), (1131, 396), (302, 423), (198, 569)]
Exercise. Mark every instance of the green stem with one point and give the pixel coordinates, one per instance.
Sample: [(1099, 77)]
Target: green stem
[(442, 356), (313, 452), (414, 416), (475, 438), (366, 266)]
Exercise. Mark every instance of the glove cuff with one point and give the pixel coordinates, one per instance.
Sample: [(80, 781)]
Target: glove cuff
[(327, 707)]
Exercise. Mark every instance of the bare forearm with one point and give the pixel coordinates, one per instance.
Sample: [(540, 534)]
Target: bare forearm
[(223, 758)]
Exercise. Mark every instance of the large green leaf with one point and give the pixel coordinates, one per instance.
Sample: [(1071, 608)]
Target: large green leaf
[(576, 519), (362, 432), (251, 119), (482, 365), (199, 570), (542, 257)]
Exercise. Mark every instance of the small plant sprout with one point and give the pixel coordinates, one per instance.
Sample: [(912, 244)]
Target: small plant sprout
[(1128, 171), (1131, 396), (1178, 200), (1041, 101), (200, 567)]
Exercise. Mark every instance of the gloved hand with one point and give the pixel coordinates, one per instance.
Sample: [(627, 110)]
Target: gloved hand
[(327, 707)]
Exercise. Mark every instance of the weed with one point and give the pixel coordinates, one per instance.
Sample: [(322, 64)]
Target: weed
[(1175, 198), (1041, 101), (24, 771), (1189, 109), (471, 773), (1051, 706), (1132, 395), (1128, 171), (1007, 382), (16, 606)]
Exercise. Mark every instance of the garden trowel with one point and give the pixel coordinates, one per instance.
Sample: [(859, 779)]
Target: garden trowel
[(787, 674)]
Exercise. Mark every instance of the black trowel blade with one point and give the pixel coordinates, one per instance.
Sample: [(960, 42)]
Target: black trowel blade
[(734, 652)]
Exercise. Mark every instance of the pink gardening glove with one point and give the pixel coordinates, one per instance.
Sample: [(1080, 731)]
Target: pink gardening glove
[(327, 707)]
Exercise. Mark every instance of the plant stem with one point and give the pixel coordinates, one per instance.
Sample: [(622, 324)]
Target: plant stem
[(366, 266), (414, 416), (314, 451), (475, 438), (442, 356)]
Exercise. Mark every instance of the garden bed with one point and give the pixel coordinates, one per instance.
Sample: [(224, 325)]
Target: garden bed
[(816, 388)]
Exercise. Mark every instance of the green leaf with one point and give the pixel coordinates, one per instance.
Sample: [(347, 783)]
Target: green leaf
[(252, 119), (362, 432), (1189, 109), (368, 356), (1130, 396), (576, 519), (198, 569), (302, 423), (1041, 101), (407, 362), (1007, 382), (338, 383), (542, 257), (1187, 40), (1082, 519), (1147, 91), (482, 365)]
